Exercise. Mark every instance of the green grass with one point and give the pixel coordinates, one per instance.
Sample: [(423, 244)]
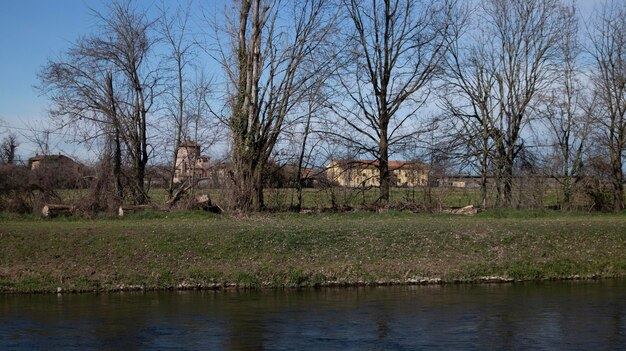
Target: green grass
[(283, 198), (169, 250)]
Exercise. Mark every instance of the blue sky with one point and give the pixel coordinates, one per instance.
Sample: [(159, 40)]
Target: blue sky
[(31, 31)]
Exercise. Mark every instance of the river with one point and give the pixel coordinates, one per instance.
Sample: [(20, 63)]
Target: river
[(586, 315)]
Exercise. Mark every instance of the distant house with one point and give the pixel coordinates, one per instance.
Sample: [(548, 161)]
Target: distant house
[(356, 173), (53, 161), (55, 171), (190, 163)]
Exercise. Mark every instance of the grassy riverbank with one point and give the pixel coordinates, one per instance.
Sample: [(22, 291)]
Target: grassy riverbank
[(188, 250)]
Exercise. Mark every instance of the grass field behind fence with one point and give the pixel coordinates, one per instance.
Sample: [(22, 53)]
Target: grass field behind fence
[(284, 198)]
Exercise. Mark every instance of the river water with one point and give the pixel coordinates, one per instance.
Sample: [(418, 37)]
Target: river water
[(589, 315)]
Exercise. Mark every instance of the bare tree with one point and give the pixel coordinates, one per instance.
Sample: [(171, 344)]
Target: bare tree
[(199, 124), (175, 32), (562, 107), (525, 36), (34, 134), (301, 159), (316, 101), (126, 43), (105, 84), (8, 148), (267, 80), (469, 96), (394, 50), (499, 77), (608, 50)]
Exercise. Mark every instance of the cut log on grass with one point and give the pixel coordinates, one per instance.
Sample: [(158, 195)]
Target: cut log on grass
[(124, 210), (203, 202), (53, 210), (215, 209), (466, 211)]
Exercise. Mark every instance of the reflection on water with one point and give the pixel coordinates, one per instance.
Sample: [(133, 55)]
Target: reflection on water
[(569, 315)]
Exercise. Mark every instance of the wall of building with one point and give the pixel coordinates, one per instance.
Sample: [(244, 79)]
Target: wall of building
[(357, 175)]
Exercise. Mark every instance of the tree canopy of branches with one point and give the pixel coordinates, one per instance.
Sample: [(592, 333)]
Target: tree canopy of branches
[(562, 108), (393, 51), (525, 36), (174, 30), (498, 79), (608, 49), (469, 97), (104, 85), (8, 148)]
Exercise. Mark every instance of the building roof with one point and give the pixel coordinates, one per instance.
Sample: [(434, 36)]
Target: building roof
[(49, 158)]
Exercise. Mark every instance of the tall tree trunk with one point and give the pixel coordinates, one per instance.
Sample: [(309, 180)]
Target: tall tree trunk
[(271, 60), (259, 201), (383, 168), (483, 180), (507, 178), (244, 123), (299, 184), (567, 179), (500, 173), (618, 184), (484, 161), (243, 189), (139, 174), (117, 166), (179, 127), (117, 143), (141, 148)]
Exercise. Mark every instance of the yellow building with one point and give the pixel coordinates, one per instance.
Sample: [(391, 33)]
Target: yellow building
[(358, 173)]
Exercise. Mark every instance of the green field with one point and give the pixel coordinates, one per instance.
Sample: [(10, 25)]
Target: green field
[(281, 199), (153, 250)]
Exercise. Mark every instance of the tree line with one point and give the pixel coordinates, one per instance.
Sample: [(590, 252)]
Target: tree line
[(488, 87)]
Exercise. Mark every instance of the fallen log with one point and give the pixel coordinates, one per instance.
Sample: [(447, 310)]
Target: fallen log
[(203, 202), (466, 211), (215, 209), (124, 210), (54, 210)]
